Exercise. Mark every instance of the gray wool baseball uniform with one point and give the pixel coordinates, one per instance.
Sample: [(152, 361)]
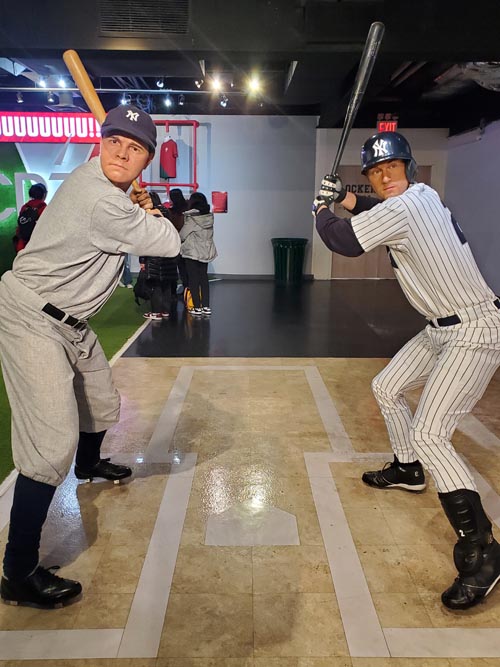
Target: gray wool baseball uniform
[(57, 377), (456, 355)]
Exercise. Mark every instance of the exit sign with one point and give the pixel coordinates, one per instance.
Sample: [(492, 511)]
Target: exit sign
[(387, 125)]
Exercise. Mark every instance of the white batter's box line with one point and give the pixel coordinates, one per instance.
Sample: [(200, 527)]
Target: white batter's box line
[(128, 343), (162, 439), (141, 636), (364, 634)]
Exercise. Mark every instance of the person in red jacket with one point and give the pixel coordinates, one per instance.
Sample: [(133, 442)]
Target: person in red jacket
[(29, 215)]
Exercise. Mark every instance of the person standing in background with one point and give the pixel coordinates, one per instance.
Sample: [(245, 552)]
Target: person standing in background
[(29, 215), (126, 280), (160, 274), (176, 216), (198, 249), (174, 213)]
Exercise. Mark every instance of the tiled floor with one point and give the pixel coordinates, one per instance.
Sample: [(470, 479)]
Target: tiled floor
[(246, 539)]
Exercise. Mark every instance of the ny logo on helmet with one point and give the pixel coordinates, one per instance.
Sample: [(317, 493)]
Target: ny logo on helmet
[(380, 148), (132, 115)]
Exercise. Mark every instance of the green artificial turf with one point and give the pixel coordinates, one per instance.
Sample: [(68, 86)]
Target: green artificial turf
[(6, 464), (114, 324), (117, 321)]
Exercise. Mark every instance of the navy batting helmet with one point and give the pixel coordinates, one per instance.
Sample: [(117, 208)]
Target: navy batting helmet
[(388, 146)]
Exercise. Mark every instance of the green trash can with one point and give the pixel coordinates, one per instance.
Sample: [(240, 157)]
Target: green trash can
[(288, 260)]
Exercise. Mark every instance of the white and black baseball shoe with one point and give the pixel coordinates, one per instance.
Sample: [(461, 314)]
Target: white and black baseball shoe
[(396, 475)]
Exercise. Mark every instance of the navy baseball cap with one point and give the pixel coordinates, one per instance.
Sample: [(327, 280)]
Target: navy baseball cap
[(132, 122)]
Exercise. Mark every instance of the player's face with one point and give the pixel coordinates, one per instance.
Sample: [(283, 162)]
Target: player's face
[(388, 179), (123, 159)]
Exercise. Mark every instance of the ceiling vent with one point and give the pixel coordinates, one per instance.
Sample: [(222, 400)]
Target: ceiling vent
[(154, 18)]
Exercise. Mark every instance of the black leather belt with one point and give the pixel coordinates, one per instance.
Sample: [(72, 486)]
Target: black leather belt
[(60, 315), (454, 319)]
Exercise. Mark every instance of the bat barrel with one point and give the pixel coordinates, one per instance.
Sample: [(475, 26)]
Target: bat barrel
[(368, 57)]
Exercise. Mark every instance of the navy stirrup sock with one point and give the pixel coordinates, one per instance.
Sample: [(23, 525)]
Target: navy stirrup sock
[(88, 452), (28, 514)]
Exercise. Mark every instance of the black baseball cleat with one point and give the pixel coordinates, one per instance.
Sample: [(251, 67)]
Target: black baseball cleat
[(476, 554), (469, 590), (396, 475), (41, 589), (105, 470)]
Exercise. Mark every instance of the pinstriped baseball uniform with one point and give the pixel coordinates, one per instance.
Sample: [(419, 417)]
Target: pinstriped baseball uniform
[(454, 358)]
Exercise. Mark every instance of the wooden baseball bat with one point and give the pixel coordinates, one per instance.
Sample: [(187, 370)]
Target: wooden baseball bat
[(365, 68), (86, 87)]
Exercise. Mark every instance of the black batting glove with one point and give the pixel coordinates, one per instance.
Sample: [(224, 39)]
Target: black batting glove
[(331, 187), (321, 201)]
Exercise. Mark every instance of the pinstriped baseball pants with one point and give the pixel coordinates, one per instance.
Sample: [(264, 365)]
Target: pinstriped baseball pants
[(454, 365)]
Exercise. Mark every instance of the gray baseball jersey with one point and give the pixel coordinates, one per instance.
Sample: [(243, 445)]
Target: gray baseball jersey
[(75, 259)]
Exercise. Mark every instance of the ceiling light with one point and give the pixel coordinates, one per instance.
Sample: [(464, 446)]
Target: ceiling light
[(216, 83), (42, 82), (168, 101), (181, 100), (61, 83), (50, 97), (160, 83), (19, 98), (254, 84), (199, 83), (223, 101)]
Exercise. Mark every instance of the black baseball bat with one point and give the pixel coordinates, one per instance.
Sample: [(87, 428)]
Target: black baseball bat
[(366, 64)]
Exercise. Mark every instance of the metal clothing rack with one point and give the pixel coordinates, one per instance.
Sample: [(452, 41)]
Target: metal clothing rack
[(168, 186)]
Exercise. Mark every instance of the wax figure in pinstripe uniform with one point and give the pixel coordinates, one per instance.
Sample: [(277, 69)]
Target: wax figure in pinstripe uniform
[(58, 380), (453, 359)]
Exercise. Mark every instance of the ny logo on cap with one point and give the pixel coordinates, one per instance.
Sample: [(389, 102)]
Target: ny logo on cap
[(133, 115), (380, 148)]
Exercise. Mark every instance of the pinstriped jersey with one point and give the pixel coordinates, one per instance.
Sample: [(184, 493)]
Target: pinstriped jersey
[(431, 258)]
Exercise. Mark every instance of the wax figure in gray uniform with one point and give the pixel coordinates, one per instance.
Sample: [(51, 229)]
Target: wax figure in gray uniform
[(57, 377), (453, 358)]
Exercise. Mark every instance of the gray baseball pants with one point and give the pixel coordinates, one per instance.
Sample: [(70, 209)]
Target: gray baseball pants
[(58, 381)]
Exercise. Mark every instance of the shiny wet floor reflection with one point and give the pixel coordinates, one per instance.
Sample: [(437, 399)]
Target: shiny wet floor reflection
[(340, 318)]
